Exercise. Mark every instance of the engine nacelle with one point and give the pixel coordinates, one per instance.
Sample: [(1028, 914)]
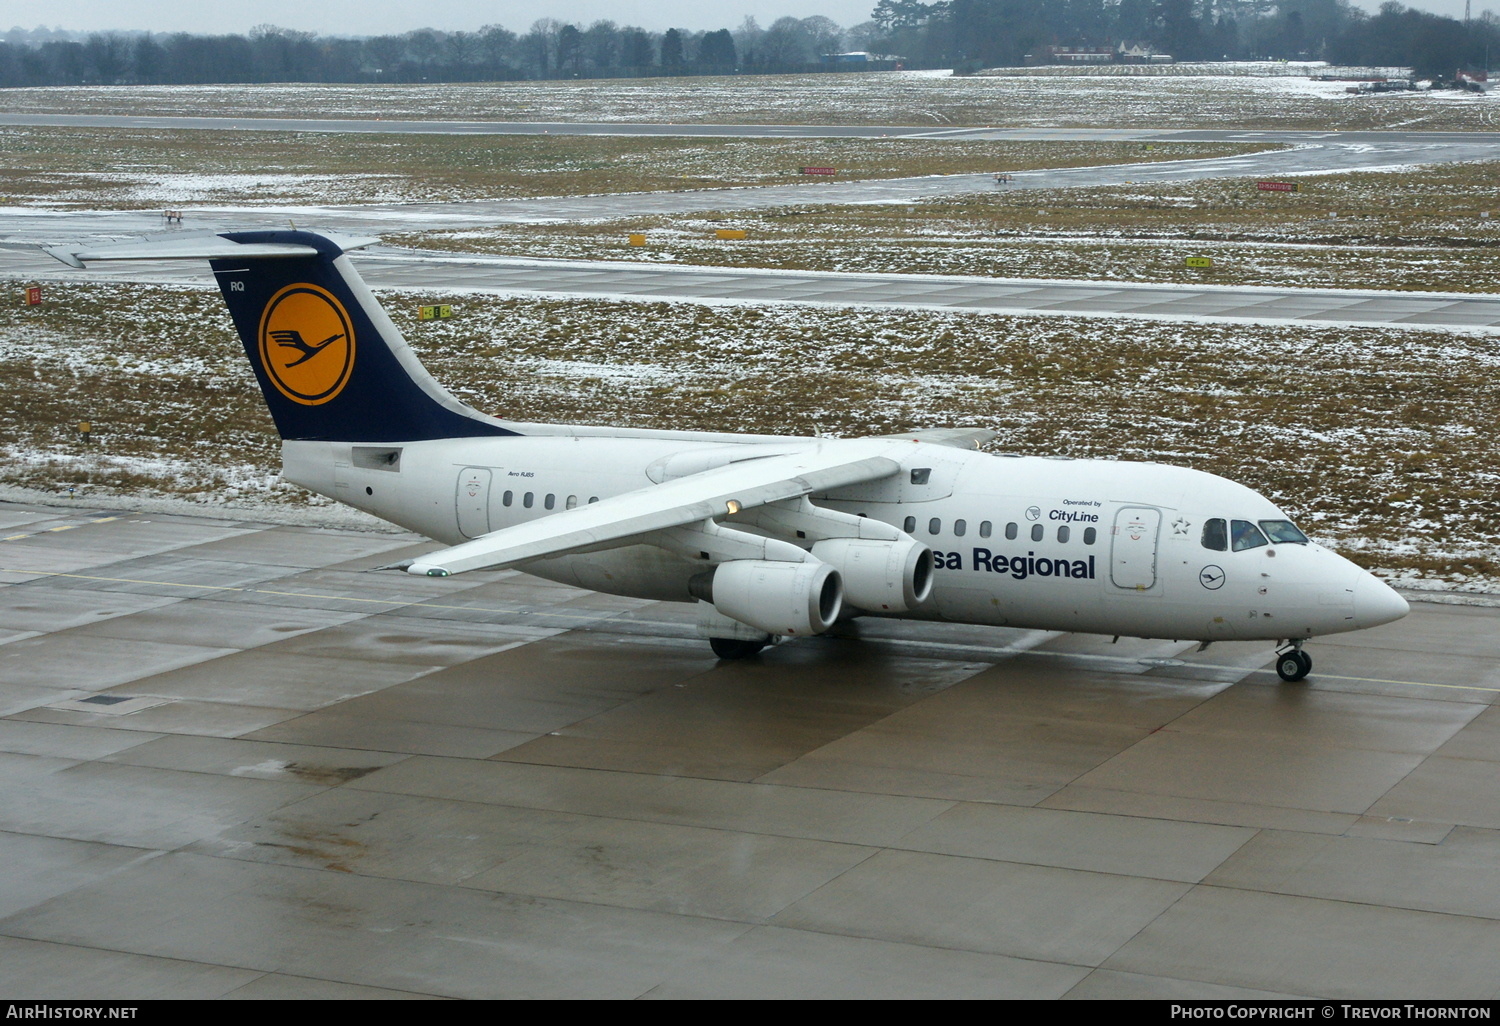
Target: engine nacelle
[(880, 576), (778, 597)]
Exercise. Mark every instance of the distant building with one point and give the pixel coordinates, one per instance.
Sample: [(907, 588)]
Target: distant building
[(1141, 53), (1081, 54), (1473, 81), (860, 60)]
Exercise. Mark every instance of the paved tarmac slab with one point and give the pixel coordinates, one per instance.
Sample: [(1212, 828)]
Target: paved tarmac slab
[(323, 782), (1334, 949)]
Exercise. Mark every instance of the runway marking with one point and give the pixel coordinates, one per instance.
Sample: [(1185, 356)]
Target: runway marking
[(993, 650), (1413, 683), (52, 530), (1154, 661), (289, 594)]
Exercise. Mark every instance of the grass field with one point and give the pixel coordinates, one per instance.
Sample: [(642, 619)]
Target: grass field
[(147, 169), (1189, 96), (1431, 228), (1377, 441)]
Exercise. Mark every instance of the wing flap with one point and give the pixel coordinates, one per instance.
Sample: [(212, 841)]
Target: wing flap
[(621, 518)]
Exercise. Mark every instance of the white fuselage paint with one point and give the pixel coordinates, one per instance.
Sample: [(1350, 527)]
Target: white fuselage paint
[(1145, 573)]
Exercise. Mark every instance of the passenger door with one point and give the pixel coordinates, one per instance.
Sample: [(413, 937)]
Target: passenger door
[(1133, 548), (473, 501)]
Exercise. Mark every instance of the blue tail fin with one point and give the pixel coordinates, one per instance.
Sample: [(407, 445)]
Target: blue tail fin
[(330, 362)]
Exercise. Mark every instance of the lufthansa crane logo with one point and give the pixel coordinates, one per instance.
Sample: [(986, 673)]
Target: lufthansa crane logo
[(306, 344)]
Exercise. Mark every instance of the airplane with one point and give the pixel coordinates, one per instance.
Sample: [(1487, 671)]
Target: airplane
[(772, 537)]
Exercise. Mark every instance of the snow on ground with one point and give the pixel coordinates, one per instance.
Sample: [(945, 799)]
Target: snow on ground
[(169, 187), (1374, 443), (1195, 96)]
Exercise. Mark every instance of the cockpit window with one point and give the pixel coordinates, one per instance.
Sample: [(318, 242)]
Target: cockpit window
[(1216, 534), (1283, 532), (1246, 535)]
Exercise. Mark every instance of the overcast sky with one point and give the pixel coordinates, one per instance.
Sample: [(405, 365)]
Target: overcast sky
[(378, 17)]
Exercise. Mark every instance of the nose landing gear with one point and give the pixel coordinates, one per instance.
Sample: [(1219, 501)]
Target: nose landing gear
[(1293, 664)]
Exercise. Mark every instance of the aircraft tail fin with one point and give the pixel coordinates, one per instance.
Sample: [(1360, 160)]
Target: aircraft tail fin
[(330, 362)]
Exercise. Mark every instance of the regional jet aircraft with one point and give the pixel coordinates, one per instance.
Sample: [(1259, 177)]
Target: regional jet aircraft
[(773, 537)]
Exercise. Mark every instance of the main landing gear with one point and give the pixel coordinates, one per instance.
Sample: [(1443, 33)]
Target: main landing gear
[(736, 648), (1293, 664)]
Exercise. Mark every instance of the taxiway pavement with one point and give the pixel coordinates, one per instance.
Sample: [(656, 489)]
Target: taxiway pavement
[(414, 126), (1311, 152), (1308, 153), (443, 274), (236, 764)]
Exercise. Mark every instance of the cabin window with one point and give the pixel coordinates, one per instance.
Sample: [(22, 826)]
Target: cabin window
[(1216, 534), (919, 475), (934, 525), (593, 498), (1037, 531), (550, 500), (1283, 532), (984, 528), (1010, 531), (572, 502), (959, 527), (1090, 534), (508, 498), (1246, 535), (909, 525), (1063, 533), (528, 499)]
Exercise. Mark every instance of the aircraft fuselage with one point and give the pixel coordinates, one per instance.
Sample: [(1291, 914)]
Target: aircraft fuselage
[(1098, 546)]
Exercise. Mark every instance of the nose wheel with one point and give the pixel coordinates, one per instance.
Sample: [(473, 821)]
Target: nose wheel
[(1293, 664)]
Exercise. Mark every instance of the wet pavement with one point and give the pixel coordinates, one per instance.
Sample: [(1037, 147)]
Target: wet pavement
[(236, 764)]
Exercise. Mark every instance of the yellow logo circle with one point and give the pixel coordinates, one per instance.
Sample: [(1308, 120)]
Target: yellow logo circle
[(306, 344)]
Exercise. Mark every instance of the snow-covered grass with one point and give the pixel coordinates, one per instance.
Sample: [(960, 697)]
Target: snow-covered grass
[(1431, 228), (1199, 96), (1377, 440), (103, 168)]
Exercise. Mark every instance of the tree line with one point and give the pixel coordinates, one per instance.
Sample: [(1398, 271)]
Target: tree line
[(973, 34), (550, 49), (963, 34)]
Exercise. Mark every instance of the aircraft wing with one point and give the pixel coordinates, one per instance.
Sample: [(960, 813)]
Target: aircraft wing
[(623, 519), (958, 438)]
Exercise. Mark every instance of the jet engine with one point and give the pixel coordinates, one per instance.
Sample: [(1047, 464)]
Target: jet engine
[(776, 596), (880, 576)]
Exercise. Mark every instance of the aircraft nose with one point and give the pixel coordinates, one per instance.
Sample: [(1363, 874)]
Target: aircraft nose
[(1376, 603)]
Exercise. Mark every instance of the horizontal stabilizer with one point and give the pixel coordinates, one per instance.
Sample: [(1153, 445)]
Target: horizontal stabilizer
[(329, 360), (713, 493), (198, 246)]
